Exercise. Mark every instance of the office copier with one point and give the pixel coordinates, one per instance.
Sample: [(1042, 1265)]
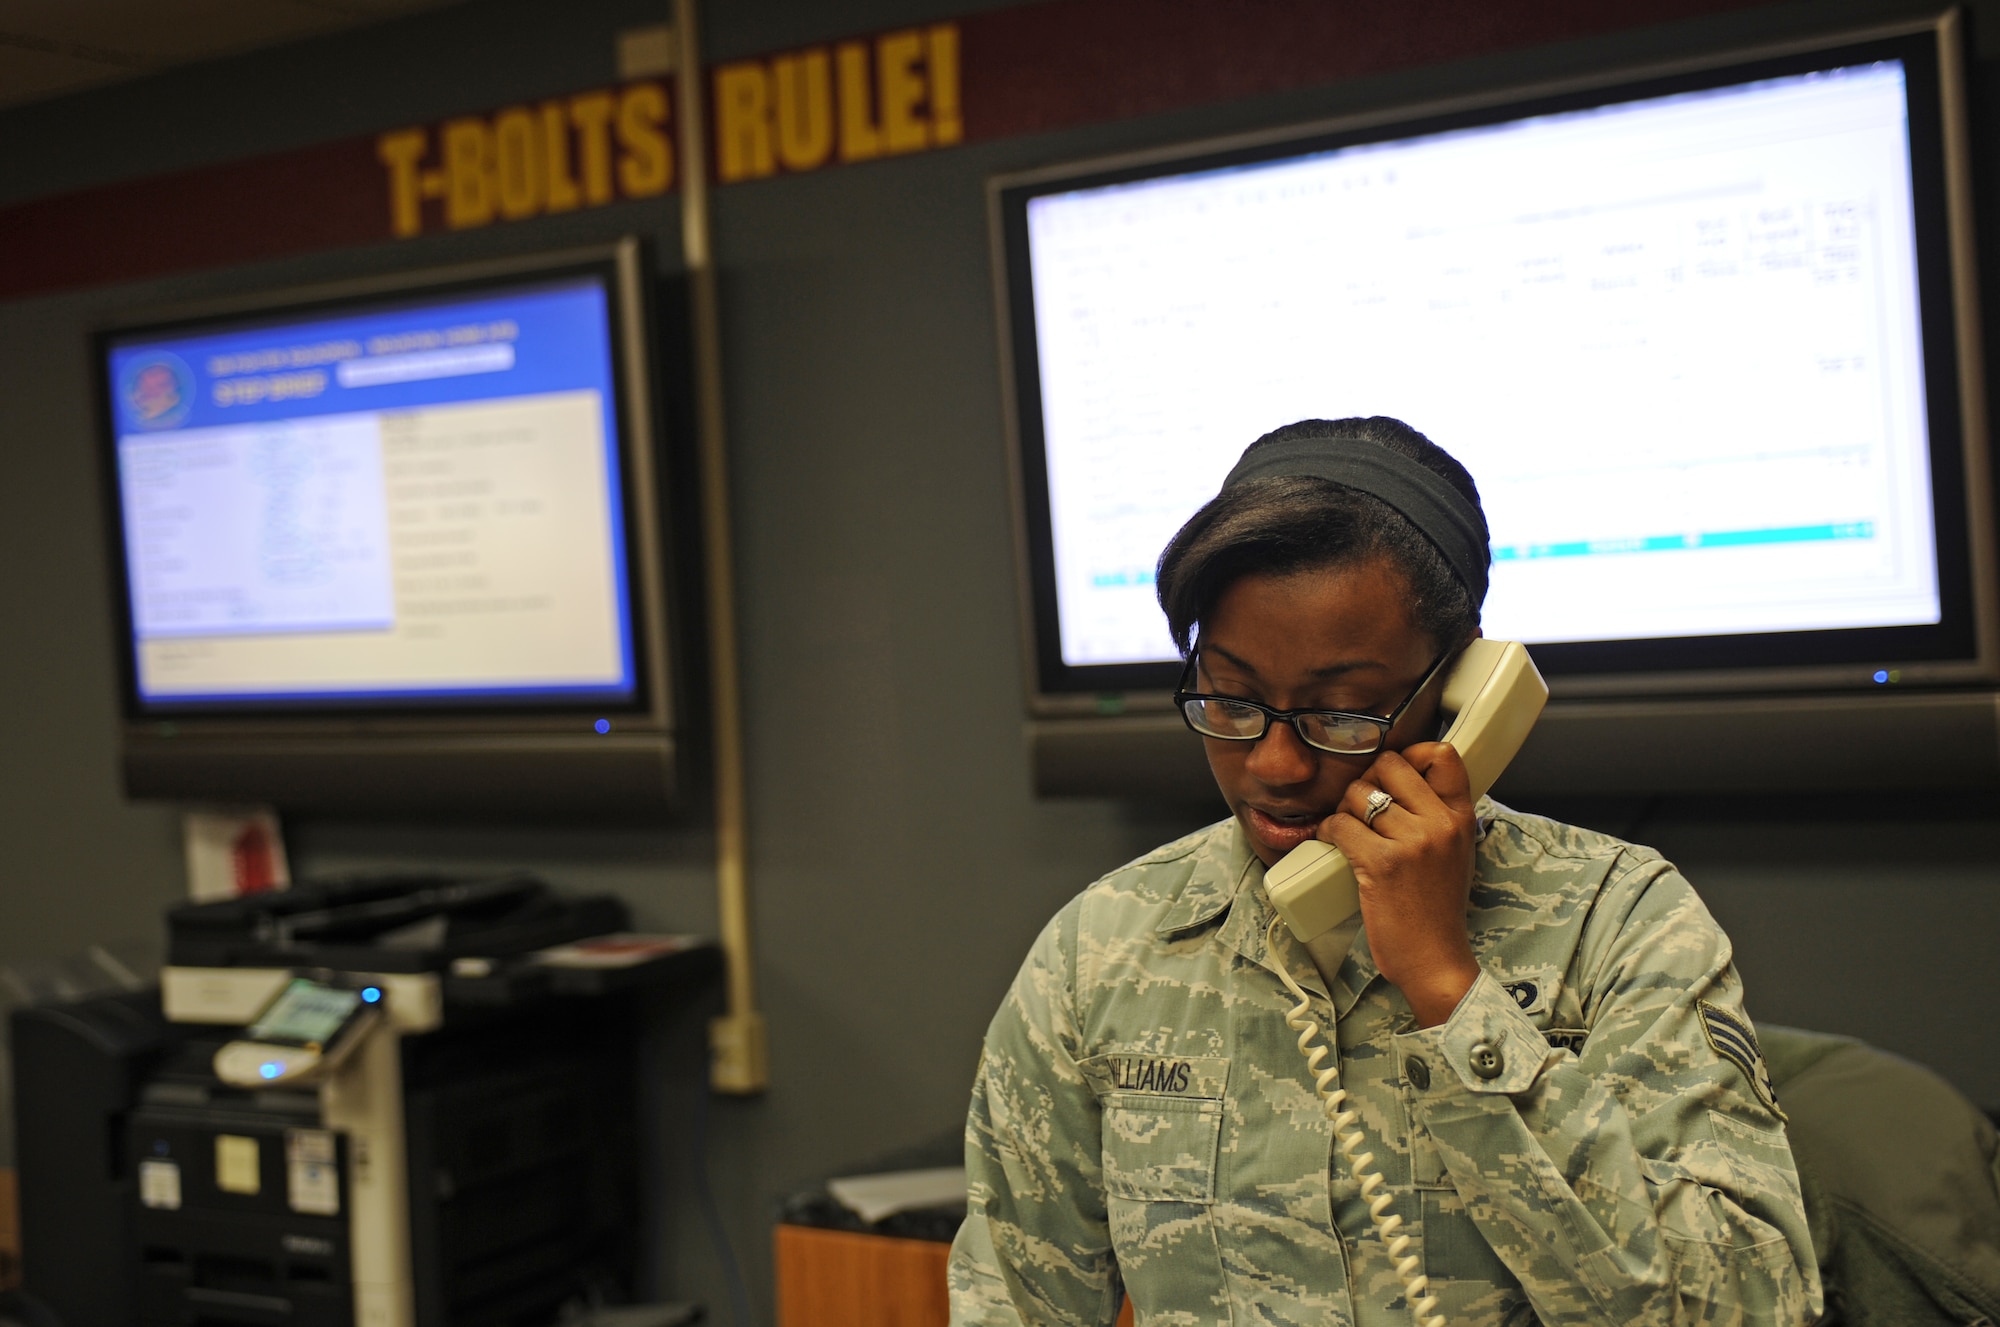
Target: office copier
[(461, 1152)]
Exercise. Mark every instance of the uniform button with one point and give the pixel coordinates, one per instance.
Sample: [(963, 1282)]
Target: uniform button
[(1419, 1073), (1486, 1060)]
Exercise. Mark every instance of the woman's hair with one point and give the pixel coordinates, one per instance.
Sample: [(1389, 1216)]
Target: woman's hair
[(1281, 526)]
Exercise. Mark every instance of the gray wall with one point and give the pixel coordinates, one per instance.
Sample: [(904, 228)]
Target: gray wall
[(899, 873)]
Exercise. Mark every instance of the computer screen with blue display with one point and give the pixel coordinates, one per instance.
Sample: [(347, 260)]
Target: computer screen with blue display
[(1692, 337), (416, 501)]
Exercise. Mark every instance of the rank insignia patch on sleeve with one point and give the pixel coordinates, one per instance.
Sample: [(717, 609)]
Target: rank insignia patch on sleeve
[(1735, 1041)]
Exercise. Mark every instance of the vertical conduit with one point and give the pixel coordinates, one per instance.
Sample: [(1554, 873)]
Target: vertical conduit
[(739, 1062)]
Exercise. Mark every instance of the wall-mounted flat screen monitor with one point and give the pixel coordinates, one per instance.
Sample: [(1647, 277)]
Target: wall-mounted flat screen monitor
[(1697, 336), (407, 512)]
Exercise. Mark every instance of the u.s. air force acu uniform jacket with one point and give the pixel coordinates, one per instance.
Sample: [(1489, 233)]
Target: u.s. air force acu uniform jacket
[(1590, 1138)]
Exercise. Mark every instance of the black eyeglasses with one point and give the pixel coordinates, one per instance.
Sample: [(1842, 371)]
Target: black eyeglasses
[(1342, 732)]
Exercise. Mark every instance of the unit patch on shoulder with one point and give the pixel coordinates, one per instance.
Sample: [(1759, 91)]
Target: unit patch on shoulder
[(1735, 1041)]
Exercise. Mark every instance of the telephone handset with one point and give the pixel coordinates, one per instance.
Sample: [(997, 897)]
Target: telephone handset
[(1496, 695)]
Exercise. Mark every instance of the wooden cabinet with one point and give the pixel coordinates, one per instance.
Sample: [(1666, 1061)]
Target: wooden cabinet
[(837, 1278), (10, 1233)]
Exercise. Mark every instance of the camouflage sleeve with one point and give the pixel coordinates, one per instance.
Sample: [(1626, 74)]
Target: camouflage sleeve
[(1644, 1177), (1035, 1246)]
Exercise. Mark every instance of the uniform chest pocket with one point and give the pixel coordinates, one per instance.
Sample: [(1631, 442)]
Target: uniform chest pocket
[(1160, 1149)]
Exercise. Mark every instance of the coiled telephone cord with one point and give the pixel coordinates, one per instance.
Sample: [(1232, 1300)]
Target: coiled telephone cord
[(1416, 1286)]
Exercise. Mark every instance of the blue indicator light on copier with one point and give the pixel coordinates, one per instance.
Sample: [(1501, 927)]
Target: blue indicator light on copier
[(270, 1069), (370, 994)]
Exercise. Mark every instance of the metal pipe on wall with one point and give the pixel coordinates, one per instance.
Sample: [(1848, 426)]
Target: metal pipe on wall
[(739, 1061)]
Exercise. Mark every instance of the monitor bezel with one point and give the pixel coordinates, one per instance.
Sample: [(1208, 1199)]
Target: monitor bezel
[(620, 269), (1963, 648)]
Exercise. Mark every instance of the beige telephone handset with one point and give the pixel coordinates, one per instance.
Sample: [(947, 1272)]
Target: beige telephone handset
[(1496, 695)]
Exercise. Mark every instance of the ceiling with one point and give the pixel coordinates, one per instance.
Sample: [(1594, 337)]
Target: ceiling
[(52, 47)]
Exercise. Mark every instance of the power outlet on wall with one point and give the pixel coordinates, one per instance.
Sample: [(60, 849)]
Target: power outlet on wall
[(646, 52)]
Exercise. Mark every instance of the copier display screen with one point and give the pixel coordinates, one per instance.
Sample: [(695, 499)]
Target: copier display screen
[(307, 1014)]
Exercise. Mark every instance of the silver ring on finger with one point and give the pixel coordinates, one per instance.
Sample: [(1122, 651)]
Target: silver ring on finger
[(1378, 802)]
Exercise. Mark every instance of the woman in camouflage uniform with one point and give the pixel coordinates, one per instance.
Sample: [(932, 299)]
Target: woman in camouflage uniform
[(1539, 1028)]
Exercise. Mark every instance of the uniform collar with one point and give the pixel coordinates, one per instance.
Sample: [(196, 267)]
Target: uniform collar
[(1220, 866), (1228, 878)]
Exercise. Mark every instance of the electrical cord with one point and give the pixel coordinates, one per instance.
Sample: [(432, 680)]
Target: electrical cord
[(1374, 1190), (732, 1271)]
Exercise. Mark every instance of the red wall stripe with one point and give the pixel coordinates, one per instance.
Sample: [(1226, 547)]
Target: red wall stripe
[(1030, 69)]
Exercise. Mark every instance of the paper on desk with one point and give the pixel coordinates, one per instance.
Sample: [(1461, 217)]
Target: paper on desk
[(872, 1197)]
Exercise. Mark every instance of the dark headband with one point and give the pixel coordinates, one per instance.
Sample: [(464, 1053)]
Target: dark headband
[(1426, 499)]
